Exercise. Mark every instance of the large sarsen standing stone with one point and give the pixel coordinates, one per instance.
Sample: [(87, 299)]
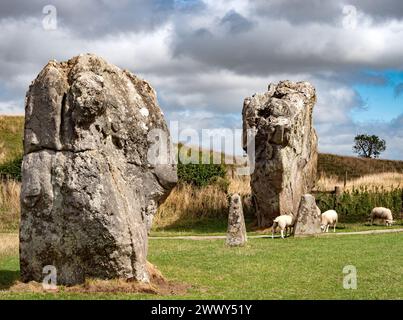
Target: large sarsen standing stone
[(88, 189), (285, 147)]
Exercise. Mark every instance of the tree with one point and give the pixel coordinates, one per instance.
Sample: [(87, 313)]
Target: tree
[(368, 146)]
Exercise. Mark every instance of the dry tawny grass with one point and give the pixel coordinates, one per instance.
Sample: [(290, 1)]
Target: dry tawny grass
[(386, 180), (11, 124), (186, 201), (241, 185), (158, 285), (189, 202), (8, 244), (2, 151), (9, 204)]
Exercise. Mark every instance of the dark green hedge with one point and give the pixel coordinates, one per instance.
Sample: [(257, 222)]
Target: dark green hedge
[(203, 172), (11, 169), (200, 174), (196, 174), (356, 205)]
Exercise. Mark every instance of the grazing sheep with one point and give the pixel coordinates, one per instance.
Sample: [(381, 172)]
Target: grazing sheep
[(328, 218), (285, 222), (383, 214)]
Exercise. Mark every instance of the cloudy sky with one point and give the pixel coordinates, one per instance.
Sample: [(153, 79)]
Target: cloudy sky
[(205, 56)]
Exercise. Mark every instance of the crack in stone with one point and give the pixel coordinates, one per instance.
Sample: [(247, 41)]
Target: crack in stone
[(61, 150)]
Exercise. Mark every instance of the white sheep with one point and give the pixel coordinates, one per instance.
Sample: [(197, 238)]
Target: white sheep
[(383, 214), (328, 218), (285, 222)]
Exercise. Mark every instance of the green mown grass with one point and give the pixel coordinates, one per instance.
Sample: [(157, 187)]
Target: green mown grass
[(294, 268)]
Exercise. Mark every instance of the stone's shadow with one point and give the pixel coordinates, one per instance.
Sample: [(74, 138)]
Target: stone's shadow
[(204, 225), (8, 278)]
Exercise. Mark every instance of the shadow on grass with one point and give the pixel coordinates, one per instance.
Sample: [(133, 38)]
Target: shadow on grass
[(7, 278), (202, 226)]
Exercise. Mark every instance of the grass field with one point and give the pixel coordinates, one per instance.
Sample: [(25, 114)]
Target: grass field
[(386, 180), (303, 268), (338, 166)]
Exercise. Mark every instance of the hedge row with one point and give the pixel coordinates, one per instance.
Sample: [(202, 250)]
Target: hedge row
[(356, 205), (11, 169), (196, 174)]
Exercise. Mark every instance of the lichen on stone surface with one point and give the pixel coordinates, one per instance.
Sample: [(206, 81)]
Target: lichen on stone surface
[(88, 191), (285, 147)]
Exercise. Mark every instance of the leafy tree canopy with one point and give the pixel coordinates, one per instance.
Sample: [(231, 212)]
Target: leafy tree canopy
[(368, 146)]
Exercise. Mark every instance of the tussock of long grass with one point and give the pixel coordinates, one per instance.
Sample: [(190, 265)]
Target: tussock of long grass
[(190, 202), (187, 202), (8, 244), (158, 285), (241, 185), (387, 181), (2, 151), (9, 204)]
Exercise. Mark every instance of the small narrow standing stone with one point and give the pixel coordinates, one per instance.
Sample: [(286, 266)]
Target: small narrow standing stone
[(308, 219), (236, 234)]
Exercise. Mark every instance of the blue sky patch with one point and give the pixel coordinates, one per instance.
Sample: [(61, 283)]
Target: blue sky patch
[(382, 102)]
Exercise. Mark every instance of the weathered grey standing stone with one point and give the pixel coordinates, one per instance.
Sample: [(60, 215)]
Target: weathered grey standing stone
[(236, 234), (285, 147), (308, 219), (88, 189)]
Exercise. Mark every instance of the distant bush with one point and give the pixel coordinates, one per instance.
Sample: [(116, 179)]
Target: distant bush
[(11, 169), (202, 173), (356, 205)]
